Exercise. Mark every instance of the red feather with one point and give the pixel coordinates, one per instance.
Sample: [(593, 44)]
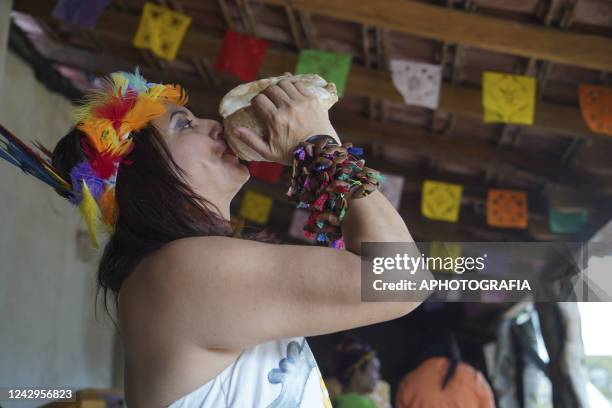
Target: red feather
[(312, 218), (116, 108), (103, 163)]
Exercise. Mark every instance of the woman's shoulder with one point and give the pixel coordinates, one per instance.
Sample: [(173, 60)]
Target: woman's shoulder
[(201, 244), (204, 249), (179, 253), (196, 262)]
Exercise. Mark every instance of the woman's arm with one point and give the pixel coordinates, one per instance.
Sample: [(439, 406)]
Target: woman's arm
[(372, 219), (232, 293)]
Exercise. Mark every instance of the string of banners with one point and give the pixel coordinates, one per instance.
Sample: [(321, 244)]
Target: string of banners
[(440, 201), (506, 98)]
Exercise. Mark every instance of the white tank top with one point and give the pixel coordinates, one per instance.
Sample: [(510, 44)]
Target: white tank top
[(276, 374)]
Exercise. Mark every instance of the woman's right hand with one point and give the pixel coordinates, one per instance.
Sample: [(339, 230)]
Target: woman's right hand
[(290, 114)]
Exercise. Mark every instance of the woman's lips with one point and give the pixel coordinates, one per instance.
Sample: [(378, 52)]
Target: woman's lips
[(229, 151)]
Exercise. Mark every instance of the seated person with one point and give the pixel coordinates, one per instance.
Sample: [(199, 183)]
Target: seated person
[(357, 370), (442, 380)]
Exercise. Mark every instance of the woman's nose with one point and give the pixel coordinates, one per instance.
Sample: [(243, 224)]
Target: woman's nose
[(215, 130)]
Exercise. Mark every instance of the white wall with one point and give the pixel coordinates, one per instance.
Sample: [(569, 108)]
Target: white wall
[(48, 333), (5, 9)]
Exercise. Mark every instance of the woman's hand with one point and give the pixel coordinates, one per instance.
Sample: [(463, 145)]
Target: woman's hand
[(291, 114)]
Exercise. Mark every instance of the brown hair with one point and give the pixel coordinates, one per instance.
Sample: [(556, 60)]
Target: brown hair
[(351, 354), (155, 206)]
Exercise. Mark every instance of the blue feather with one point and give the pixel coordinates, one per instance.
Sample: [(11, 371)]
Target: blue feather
[(20, 155), (9, 158), (136, 80)]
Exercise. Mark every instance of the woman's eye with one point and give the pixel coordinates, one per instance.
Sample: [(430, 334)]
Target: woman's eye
[(186, 124)]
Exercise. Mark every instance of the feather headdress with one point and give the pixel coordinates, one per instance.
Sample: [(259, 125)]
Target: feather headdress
[(108, 117)]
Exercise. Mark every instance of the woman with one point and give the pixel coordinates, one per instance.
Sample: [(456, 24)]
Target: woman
[(357, 369), (208, 319)]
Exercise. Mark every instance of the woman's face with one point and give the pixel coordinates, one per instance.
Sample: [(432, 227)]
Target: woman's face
[(198, 147)]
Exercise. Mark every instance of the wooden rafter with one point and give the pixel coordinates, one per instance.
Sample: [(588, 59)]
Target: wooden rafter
[(294, 27), (541, 69), (202, 70), (246, 16), (555, 118), (421, 141), (489, 33), (511, 134), (455, 75), (383, 64), (226, 14), (566, 20), (309, 30), (370, 62), (374, 59)]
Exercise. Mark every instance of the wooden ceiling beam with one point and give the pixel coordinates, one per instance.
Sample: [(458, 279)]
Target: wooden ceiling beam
[(555, 118), (227, 17), (421, 141), (246, 16), (294, 27), (309, 30), (488, 33)]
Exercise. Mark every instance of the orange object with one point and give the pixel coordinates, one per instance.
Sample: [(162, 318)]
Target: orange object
[(422, 388), (507, 208), (596, 104)]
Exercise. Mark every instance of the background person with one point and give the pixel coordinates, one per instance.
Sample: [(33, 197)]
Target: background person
[(442, 380)]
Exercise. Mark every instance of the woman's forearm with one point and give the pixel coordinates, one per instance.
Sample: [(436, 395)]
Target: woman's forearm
[(372, 219)]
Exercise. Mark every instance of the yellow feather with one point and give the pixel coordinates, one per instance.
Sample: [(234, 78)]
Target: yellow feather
[(155, 91), (122, 148), (81, 113), (119, 82), (91, 212), (96, 98)]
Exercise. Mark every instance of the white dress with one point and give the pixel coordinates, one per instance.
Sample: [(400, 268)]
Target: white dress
[(276, 374)]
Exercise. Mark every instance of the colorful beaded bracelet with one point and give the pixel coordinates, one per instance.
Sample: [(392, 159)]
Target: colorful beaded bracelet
[(323, 174)]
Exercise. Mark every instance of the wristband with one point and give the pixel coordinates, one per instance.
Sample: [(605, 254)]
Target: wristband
[(323, 175)]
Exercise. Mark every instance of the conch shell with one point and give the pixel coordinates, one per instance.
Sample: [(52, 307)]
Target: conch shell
[(236, 110)]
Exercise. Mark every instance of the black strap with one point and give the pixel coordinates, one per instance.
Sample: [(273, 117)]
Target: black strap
[(315, 138)]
